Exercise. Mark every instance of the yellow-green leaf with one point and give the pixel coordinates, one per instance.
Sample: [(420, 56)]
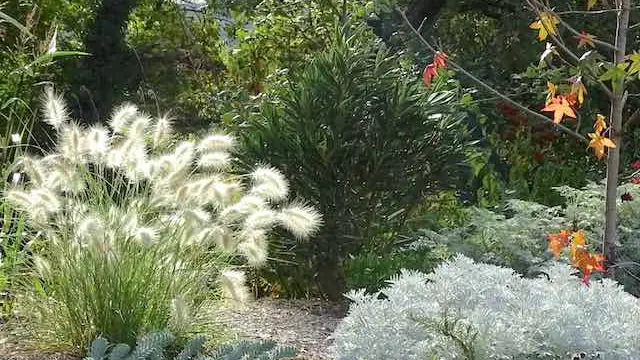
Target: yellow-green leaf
[(635, 63), (615, 74), (546, 24)]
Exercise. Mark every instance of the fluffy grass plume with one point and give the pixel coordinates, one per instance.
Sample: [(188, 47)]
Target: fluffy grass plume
[(134, 231)]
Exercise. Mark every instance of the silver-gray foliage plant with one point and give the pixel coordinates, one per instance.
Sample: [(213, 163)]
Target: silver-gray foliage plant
[(468, 310), (153, 345), (517, 237)]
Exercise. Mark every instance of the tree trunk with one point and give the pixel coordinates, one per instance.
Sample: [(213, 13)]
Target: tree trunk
[(330, 276), (112, 69), (613, 161)]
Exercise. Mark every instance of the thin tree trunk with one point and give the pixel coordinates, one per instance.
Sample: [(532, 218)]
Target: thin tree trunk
[(613, 161)]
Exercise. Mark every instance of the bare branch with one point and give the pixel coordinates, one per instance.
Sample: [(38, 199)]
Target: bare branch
[(595, 12), (488, 87), (422, 24), (571, 29), (631, 120), (634, 26)]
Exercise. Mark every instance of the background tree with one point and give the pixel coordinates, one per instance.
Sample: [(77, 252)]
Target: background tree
[(563, 102)]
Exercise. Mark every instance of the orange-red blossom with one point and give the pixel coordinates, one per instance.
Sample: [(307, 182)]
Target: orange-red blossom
[(431, 70), (579, 256)]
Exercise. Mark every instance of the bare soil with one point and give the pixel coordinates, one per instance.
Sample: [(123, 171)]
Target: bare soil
[(306, 325)]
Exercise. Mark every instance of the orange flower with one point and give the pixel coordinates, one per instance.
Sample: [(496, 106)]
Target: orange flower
[(582, 259), (579, 256), (588, 262), (557, 242)]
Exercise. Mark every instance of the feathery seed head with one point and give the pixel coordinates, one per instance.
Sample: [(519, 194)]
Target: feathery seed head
[(161, 131), (54, 108), (146, 235), (215, 160), (218, 193), (127, 221), (139, 127), (176, 177), (300, 220), (223, 238), (216, 142), (33, 168), (261, 219), (197, 217), (90, 226), (183, 195), (233, 285), (269, 183), (180, 317), (15, 178), (256, 255), (247, 205), (19, 199), (71, 144), (122, 117), (42, 266), (116, 157), (203, 237), (46, 199), (64, 177), (97, 142), (130, 156), (184, 153)]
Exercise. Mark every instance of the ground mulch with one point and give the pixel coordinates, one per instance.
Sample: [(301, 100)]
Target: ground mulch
[(12, 349), (306, 325)]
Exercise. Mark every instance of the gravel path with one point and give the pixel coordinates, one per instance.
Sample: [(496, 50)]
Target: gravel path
[(304, 324)]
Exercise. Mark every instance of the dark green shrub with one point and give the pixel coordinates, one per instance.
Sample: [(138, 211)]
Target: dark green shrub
[(372, 271), (358, 135)]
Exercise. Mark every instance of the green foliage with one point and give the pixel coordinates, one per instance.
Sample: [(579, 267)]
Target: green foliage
[(155, 345), (372, 272), (14, 257), (26, 30), (95, 288), (515, 235), (344, 130)]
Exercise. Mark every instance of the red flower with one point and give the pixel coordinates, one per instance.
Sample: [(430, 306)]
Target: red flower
[(635, 165), (430, 71), (439, 60), (626, 197), (635, 180)]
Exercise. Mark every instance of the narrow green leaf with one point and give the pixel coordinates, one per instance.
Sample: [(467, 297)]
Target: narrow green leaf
[(15, 23)]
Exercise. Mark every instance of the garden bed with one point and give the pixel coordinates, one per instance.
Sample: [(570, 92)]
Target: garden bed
[(303, 324)]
